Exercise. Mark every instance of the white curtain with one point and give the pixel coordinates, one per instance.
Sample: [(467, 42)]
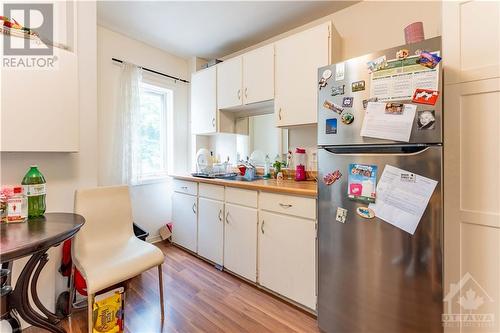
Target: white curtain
[(126, 144)]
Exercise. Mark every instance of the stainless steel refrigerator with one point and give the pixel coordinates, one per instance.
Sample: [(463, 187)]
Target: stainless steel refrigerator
[(373, 276)]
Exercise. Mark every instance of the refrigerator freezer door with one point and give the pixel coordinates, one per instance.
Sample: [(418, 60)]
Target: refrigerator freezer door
[(356, 70), (374, 277)]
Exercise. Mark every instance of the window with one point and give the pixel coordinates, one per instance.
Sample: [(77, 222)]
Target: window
[(152, 131)]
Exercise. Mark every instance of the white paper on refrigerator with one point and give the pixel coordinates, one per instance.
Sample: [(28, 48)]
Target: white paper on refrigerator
[(381, 125), (402, 198)]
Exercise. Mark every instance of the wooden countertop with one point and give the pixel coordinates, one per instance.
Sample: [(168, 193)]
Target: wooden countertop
[(305, 188)]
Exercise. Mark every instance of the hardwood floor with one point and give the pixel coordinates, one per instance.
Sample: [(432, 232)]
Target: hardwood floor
[(199, 298)]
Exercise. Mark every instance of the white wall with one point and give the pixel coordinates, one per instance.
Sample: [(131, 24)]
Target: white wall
[(65, 172), (151, 202)]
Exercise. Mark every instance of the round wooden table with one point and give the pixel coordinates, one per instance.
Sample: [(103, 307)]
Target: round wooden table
[(32, 238)]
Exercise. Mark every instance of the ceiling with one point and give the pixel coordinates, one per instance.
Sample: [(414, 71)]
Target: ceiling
[(209, 29)]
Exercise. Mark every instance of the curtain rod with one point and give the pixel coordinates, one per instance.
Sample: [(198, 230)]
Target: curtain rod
[(155, 72)]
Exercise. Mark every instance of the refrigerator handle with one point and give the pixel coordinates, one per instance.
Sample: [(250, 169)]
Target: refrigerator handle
[(379, 150)]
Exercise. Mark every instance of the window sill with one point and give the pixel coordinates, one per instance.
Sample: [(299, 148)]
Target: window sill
[(155, 180)]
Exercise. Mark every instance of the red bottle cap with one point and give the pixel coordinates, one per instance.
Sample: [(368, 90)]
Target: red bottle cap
[(18, 189)]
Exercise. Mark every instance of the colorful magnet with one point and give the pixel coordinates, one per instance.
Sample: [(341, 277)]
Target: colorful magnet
[(361, 182), (402, 54), (338, 90), (339, 71), (408, 177), (426, 120), (425, 96), (358, 86), (377, 64), (394, 108), (366, 101), (341, 215), (332, 177), (322, 83), (418, 51), (347, 118), (331, 126), (347, 102), (332, 106), (428, 59), (365, 212)]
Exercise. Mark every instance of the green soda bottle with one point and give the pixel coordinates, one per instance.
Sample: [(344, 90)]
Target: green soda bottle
[(34, 188)]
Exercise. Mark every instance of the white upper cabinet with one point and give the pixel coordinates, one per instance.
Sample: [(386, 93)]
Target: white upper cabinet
[(44, 103), (246, 79), (298, 58), (204, 101), (471, 40), (229, 82), (258, 75)]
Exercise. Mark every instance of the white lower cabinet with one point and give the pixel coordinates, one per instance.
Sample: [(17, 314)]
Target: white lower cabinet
[(287, 256), (184, 218), (211, 230), (240, 241)]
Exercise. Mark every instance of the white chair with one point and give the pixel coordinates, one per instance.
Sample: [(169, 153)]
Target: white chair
[(105, 250)]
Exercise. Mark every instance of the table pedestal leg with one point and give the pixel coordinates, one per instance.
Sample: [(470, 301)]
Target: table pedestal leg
[(19, 298)]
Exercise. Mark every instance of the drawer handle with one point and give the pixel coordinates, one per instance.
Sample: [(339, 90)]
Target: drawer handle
[(239, 94), (227, 217), (262, 227), (285, 205), (213, 122), (246, 92), (194, 208), (184, 187), (220, 213), (279, 114)]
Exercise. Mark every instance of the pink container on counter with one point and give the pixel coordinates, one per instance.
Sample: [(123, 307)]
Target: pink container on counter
[(300, 164)]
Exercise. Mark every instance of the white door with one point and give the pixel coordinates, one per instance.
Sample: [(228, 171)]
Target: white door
[(240, 241), (298, 58), (229, 81), (287, 256), (471, 49), (204, 101), (184, 218), (211, 230), (258, 75)]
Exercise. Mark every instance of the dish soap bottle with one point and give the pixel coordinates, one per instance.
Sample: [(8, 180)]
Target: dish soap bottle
[(34, 188), (267, 167)]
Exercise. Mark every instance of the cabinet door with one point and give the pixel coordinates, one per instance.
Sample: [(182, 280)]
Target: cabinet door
[(211, 230), (297, 60), (258, 75), (240, 241), (44, 104), (229, 81), (184, 218), (287, 257), (204, 101)]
